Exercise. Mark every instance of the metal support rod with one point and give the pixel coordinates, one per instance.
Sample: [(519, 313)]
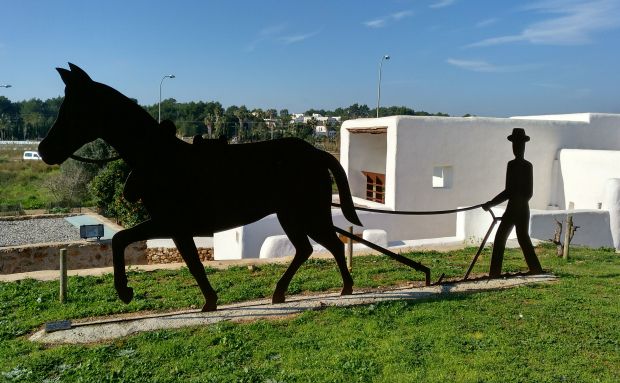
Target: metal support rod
[(63, 275), (350, 250), (484, 242)]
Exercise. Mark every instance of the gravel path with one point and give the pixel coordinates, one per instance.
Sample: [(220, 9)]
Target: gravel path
[(31, 231), (107, 329)]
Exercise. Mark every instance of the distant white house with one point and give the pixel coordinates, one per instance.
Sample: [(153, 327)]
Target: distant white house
[(322, 123), (439, 163)]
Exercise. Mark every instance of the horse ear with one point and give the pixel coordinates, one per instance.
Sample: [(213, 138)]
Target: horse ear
[(66, 76), (79, 72)]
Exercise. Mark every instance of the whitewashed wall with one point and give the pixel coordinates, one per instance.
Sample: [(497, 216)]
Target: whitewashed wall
[(478, 151), (594, 226), (585, 174), (246, 241), (368, 152)]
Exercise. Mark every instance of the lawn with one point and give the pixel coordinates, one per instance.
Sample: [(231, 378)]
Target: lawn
[(23, 182), (566, 331)]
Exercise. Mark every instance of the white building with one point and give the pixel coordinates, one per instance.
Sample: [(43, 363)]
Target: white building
[(440, 163), (322, 123), (437, 163)]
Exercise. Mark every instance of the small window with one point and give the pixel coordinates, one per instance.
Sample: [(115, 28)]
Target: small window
[(375, 187), (442, 177)]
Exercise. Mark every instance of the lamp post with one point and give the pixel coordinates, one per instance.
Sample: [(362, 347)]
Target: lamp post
[(160, 84), (385, 57)]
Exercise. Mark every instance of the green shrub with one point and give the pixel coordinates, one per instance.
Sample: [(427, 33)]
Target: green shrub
[(107, 191)]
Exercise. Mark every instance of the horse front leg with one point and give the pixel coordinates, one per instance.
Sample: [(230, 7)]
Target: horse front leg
[(187, 248), (145, 230)]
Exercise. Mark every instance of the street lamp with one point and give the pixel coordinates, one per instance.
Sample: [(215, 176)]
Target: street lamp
[(385, 57), (5, 86), (160, 84)]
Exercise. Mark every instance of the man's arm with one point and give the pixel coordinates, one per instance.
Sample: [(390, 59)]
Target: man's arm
[(501, 197)]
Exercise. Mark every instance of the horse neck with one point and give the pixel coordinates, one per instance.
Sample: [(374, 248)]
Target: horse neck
[(131, 135)]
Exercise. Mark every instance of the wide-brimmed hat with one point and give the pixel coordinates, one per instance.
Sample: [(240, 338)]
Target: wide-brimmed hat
[(518, 135)]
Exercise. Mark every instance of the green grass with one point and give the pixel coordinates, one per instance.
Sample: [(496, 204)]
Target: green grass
[(23, 182), (567, 331)]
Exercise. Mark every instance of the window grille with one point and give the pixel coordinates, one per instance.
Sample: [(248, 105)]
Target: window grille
[(375, 187)]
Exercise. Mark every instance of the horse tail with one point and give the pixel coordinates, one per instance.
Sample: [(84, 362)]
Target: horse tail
[(346, 201)]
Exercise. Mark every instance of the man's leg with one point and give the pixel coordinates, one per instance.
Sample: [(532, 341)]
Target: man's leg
[(499, 244), (525, 242)]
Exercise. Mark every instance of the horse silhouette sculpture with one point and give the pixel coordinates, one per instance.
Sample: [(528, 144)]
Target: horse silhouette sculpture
[(198, 189)]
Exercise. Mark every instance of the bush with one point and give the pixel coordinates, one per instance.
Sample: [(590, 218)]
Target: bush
[(107, 191)]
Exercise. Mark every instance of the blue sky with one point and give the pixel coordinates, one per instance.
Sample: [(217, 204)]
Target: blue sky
[(485, 57)]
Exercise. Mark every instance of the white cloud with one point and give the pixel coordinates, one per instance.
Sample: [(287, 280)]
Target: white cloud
[(486, 22), (274, 33), (573, 23), (378, 23), (442, 3), (486, 67), (265, 34), (298, 38), (401, 15), (384, 21)]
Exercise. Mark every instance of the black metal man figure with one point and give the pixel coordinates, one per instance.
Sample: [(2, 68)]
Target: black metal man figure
[(518, 191)]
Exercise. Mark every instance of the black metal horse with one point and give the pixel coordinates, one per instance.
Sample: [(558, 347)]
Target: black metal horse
[(196, 190)]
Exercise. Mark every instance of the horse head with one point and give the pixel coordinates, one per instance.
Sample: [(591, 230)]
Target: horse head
[(79, 119)]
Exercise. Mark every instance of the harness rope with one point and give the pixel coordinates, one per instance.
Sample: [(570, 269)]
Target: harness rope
[(403, 212)]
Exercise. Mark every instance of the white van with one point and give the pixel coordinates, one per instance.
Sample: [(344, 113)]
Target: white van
[(31, 155)]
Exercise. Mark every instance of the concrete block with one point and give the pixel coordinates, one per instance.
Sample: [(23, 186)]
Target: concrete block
[(376, 236), (276, 246)]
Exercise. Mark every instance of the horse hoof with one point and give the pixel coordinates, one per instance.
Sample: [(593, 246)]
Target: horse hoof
[(278, 298), (209, 306), (125, 294), (347, 290)]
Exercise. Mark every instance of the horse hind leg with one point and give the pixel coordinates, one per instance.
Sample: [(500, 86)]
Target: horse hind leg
[(187, 248), (303, 251), (326, 236)]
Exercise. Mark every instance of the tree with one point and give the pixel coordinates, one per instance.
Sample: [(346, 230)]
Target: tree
[(312, 124), (32, 112), (241, 113), (68, 187), (10, 119), (208, 120), (311, 112), (271, 113)]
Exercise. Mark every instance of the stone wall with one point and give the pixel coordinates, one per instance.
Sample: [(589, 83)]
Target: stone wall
[(157, 255), (80, 255)]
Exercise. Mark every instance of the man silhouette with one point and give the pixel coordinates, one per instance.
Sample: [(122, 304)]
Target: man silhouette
[(518, 191)]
